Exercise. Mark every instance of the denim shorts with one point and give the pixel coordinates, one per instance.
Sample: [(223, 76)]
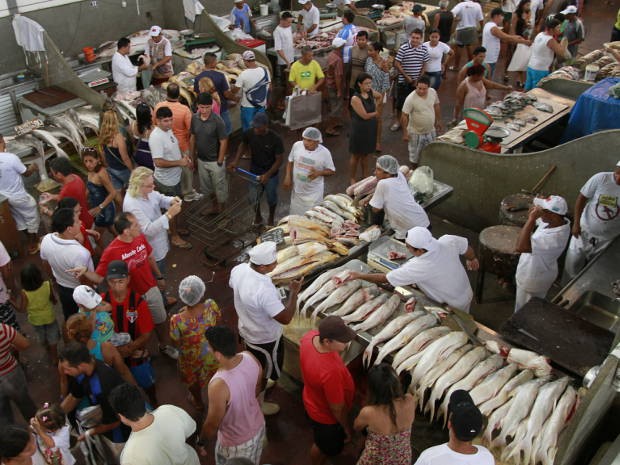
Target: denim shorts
[(119, 178), (47, 334)]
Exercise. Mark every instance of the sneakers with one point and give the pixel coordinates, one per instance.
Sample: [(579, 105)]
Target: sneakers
[(170, 352), (193, 196), (395, 127), (269, 408)]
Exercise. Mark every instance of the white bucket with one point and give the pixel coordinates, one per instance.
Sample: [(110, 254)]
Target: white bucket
[(591, 72), (264, 9)]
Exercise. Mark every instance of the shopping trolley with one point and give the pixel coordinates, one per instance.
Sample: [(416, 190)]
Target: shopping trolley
[(234, 228), (94, 449)]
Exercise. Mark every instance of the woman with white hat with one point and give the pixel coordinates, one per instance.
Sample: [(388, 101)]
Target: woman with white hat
[(308, 163)]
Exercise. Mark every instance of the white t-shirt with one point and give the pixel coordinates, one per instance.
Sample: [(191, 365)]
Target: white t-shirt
[(310, 17), (163, 442), (303, 161), (11, 170), (601, 215), (541, 56), (438, 273), (535, 7), (154, 224), (257, 301), (164, 144), (124, 72), (167, 47), (538, 269), (490, 42), (421, 111), (5, 259), (436, 54), (468, 14), (443, 455), (401, 209), (283, 40), (62, 255), (248, 79)]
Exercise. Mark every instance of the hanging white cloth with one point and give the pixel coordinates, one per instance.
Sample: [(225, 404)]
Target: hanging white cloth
[(192, 8), (28, 34)]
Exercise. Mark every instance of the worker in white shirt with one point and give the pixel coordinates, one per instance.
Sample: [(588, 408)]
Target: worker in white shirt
[(309, 17), (124, 72), (541, 241), (435, 268), (394, 197)]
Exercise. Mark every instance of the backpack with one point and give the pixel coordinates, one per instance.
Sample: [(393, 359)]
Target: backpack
[(257, 94)]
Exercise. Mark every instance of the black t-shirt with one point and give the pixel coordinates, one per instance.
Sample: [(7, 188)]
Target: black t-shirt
[(263, 150), (96, 388)]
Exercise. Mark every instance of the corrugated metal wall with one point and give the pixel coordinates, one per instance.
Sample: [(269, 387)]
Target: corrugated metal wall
[(8, 112)]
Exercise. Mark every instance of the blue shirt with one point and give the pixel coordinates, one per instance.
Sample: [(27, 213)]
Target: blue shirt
[(219, 81), (241, 18)]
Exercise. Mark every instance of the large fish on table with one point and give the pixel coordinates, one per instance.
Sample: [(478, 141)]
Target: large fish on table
[(366, 309), (306, 223), (503, 395), (72, 114), (337, 297), (477, 373), (299, 266), (393, 328), (545, 446), (455, 374), (50, 140), (437, 351), (379, 316), (315, 286), (30, 141), (489, 388), (359, 297), (530, 428), (405, 334), (319, 295), (68, 124), (430, 331)]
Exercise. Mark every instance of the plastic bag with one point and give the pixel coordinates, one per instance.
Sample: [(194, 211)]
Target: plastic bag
[(422, 180), (520, 58)]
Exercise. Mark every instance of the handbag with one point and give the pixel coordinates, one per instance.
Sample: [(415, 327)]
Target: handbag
[(520, 58)]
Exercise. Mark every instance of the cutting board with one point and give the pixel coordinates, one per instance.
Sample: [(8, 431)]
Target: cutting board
[(569, 341), (49, 96)]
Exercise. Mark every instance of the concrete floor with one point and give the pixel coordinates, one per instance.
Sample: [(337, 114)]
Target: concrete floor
[(289, 436)]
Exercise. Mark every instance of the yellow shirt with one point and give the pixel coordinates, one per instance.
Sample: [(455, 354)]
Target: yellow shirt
[(40, 310), (305, 76)]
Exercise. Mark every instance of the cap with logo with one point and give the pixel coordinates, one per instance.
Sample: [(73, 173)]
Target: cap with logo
[(154, 31), (87, 297), (553, 203), (248, 55), (464, 416)]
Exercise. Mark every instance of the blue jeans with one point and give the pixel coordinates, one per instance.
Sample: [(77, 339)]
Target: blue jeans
[(271, 190), (492, 66), (247, 115), (119, 178), (225, 115), (435, 78)]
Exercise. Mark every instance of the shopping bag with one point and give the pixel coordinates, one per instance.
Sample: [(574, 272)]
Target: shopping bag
[(303, 110), (520, 58)]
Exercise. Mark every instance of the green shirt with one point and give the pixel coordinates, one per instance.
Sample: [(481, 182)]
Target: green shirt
[(40, 310)]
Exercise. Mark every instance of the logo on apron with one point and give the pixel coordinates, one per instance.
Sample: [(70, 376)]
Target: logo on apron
[(607, 208)]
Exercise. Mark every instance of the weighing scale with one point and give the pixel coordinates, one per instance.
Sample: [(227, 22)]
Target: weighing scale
[(480, 134)]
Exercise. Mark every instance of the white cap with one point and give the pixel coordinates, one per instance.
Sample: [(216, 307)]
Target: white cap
[(248, 55), (553, 203), (155, 31), (237, 1), (264, 253), (338, 42), (86, 297), (303, 2), (570, 9), (421, 238)]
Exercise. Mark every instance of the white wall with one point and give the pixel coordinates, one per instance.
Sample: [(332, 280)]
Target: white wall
[(24, 6)]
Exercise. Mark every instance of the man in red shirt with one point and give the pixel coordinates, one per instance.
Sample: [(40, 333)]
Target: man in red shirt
[(72, 186), (130, 314), (132, 247), (328, 387)]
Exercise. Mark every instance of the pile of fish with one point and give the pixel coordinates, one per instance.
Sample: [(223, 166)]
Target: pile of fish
[(69, 126), (526, 408)]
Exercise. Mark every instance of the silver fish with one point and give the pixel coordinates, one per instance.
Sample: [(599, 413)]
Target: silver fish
[(313, 214), (480, 371), (456, 373), (438, 350), (513, 127), (327, 212), (68, 124), (503, 395), (319, 295), (379, 316), (72, 114), (489, 388), (315, 286), (366, 309), (359, 297), (50, 140), (31, 141), (429, 332), (495, 422), (336, 209), (89, 118), (61, 134), (337, 297), (543, 107), (404, 334), (390, 330)]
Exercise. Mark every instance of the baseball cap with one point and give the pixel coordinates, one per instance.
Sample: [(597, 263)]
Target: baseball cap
[(248, 55), (333, 327), (155, 31), (264, 253), (117, 269), (260, 120), (418, 8), (303, 2), (421, 238), (570, 10), (464, 416), (85, 296), (553, 203)]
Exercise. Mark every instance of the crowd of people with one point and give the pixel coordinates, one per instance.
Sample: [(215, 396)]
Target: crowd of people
[(106, 258)]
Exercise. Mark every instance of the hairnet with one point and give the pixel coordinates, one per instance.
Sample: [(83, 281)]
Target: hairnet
[(191, 290), (312, 134), (388, 163)]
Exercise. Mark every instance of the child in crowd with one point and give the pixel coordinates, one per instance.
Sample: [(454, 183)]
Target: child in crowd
[(38, 300), (187, 330), (53, 434)]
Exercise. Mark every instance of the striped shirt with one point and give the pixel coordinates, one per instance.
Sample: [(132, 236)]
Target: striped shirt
[(412, 60), (7, 361)]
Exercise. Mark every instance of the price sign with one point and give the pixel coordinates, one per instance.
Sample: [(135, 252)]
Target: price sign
[(28, 126)]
